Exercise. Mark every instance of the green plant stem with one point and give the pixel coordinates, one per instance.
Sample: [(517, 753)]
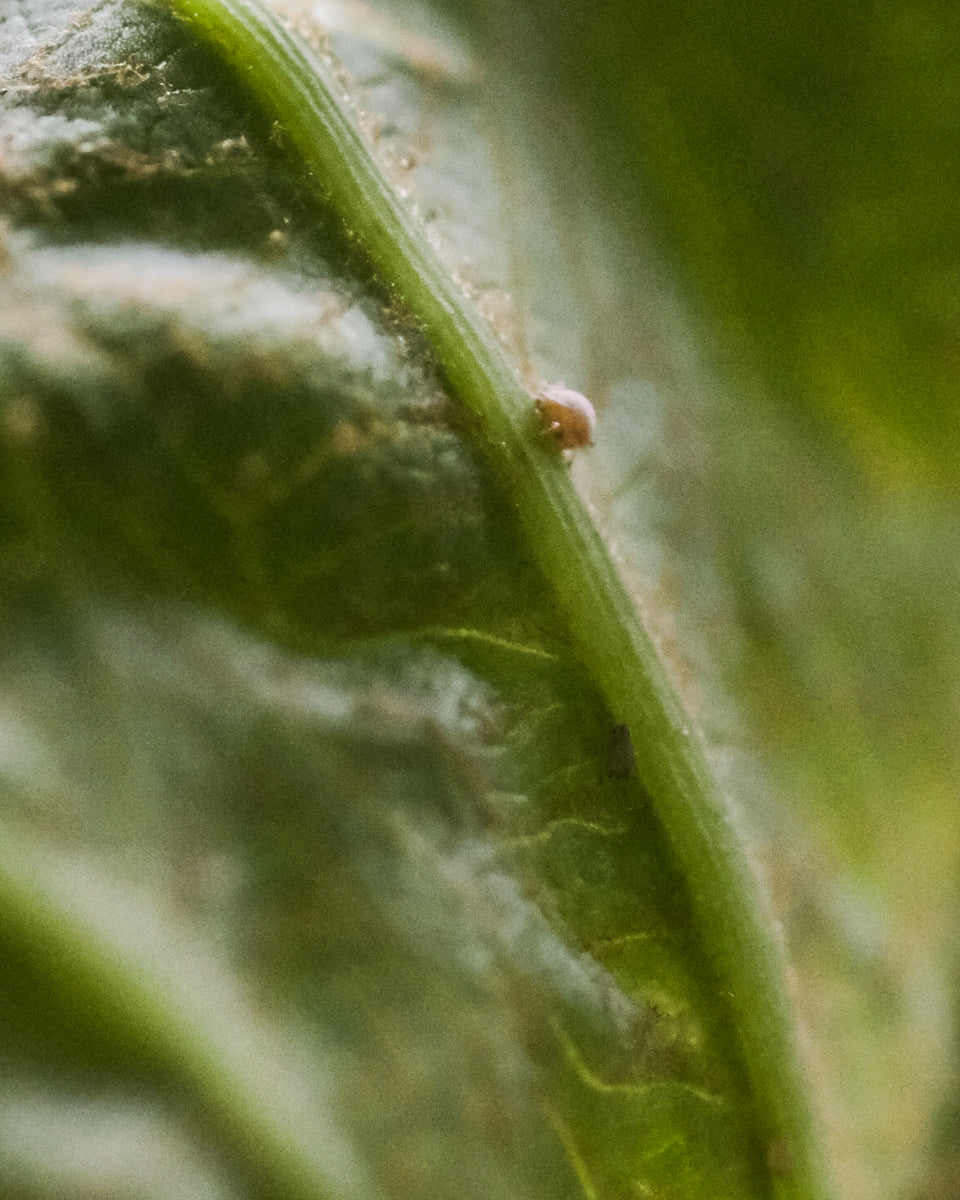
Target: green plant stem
[(299, 90)]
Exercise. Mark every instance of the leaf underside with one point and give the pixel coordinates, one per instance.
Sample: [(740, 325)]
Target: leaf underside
[(320, 874)]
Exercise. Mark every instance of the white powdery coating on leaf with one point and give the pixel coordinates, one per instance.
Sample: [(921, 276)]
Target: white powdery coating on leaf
[(223, 299), (30, 138)]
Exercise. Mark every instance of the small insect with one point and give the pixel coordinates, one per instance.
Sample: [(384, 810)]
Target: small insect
[(566, 415)]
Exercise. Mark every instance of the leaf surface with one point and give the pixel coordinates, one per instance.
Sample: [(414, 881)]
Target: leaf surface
[(319, 870)]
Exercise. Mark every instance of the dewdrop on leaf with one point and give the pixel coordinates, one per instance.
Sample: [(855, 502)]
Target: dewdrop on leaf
[(566, 415)]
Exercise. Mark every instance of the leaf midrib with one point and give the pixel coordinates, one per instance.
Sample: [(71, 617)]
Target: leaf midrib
[(300, 90)]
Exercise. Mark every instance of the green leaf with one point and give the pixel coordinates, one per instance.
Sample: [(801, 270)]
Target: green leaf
[(317, 860)]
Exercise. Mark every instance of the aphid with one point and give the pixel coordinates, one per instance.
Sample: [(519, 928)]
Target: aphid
[(566, 415)]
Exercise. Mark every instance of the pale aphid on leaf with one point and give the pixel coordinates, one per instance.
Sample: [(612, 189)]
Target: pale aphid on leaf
[(567, 416)]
